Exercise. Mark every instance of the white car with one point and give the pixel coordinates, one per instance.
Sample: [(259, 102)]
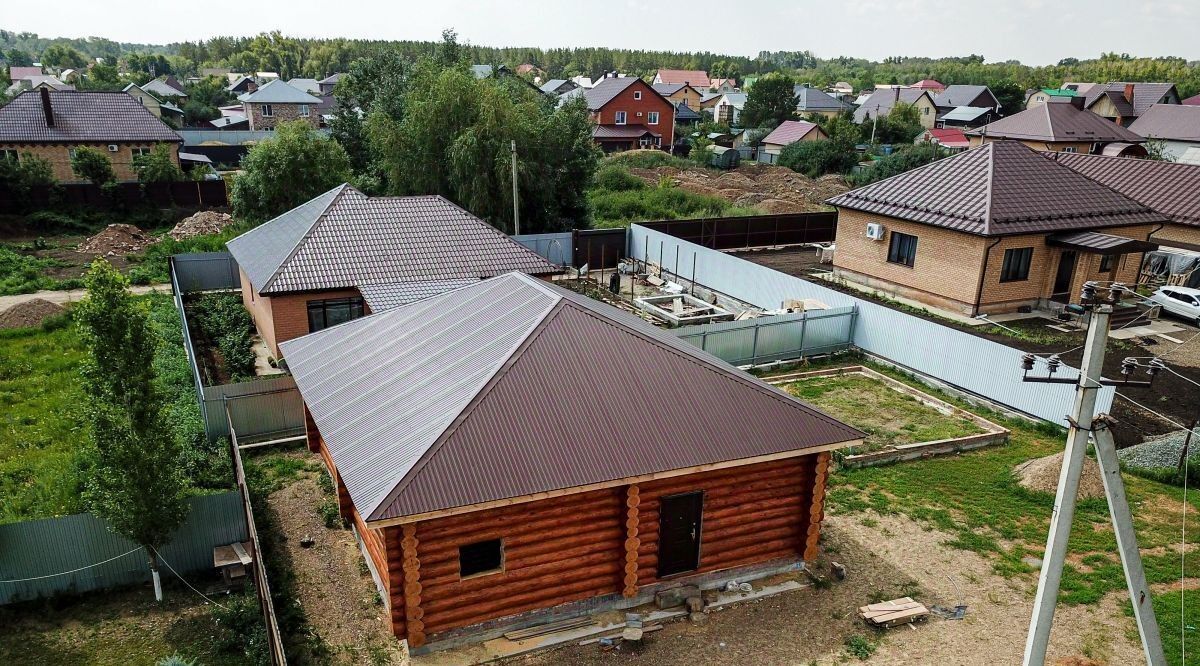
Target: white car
[(1180, 301)]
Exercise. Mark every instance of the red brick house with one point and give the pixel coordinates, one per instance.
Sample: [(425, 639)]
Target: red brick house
[(489, 499), (629, 113), (343, 255)]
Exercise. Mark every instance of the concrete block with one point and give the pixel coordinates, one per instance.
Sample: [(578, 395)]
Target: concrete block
[(675, 596)]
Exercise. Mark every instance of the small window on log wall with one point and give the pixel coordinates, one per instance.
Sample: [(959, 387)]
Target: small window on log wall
[(481, 558)]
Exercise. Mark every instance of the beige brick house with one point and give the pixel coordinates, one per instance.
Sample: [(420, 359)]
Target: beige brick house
[(881, 102), (343, 255), (53, 124), (990, 230), (278, 102), (1061, 124)]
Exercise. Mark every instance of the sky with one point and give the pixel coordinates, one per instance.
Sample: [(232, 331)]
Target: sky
[(1036, 32)]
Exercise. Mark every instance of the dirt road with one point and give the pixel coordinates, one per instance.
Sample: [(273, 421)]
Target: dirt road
[(73, 295)]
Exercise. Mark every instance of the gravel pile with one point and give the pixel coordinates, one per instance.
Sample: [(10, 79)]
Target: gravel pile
[(1160, 452), (203, 223), (117, 239), (29, 313)]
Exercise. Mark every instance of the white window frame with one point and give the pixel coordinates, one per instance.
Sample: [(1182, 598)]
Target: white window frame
[(652, 117), (140, 152), (267, 111), (620, 117), (1070, 149), (637, 94), (304, 111)]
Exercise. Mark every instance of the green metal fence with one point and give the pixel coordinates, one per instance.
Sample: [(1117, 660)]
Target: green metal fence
[(78, 553)]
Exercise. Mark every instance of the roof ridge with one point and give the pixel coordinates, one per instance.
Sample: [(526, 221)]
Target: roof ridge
[(305, 236), (467, 409)]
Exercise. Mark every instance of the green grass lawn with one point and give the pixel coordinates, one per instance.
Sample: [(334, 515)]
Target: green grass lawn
[(41, 427), (122, 627), (889, 417), (975, 498)]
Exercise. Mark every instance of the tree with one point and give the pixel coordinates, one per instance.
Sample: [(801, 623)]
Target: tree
[(59, 56), (92, 165), (817, 158), (135, 478), (101, 77), (295, 165), (900, 126), (158, 167), (18, 177), (18, 58), (904, 159), (771, 101), (1156, 149)]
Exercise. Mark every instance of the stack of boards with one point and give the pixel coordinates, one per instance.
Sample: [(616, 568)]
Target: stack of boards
[(894, 613)]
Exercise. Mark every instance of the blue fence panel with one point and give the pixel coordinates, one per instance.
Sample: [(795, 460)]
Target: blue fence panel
[(966, 361), (557, 248), (33, 553)]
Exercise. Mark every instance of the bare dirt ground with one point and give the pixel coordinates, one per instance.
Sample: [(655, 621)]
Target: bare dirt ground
[(333, 584), (771, 189), (888, 557)]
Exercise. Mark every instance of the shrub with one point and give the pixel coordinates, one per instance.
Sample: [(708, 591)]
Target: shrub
[(904, 159), (93, 165), (328, 510), (617, 178), (619, 208), (54, 222), (860, 646), (644, 159), (241, 629), (817, 158), (224, 320), (158, 167), (23, 274), (176, 660)]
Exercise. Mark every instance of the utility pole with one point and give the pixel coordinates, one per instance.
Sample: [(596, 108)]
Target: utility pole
[(516, 203), (1082, 424)]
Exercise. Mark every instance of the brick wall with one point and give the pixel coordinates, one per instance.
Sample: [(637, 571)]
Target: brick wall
[(289, 314), (59, 156), (260, 310), (948, 264), (1178, 235), (1083, 147), (650, 101), (279, 113)]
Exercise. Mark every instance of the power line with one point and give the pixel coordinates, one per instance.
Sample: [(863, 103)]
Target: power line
[(64, 573), (172, 570)]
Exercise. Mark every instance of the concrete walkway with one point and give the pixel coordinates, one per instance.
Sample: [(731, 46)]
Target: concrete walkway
[(73, 295)]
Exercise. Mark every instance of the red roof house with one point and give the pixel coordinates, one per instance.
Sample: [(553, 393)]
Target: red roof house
[(696, 78), (947, 138), (929, 84), (630, 114)]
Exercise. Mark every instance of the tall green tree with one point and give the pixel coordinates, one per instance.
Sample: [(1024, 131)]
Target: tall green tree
[(93, 165), (62, 57), (158, 167), (18, 58), (135, 477), (101, 77), (771, 101), (295, 165)]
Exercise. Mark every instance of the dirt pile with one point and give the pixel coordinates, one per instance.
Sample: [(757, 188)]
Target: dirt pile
[(117, 239), (771, 189), (29, 313), (1041, 474), (201, 224)]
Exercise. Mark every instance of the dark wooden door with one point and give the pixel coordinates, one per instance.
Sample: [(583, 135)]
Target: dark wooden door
[(679, 525), (1062, 279)]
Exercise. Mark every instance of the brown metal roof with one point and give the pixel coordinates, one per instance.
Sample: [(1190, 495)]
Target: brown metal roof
[(343, 238), (81, 116), (1057, 121), (881, 101), (696, 78), (618, 132), (1000, 188), (513, 386), (1170, 188), (791, 131), (1145, 94), (606, 90)]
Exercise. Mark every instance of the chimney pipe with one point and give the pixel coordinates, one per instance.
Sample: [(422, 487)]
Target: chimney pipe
[(47, 110), (1129, 93)]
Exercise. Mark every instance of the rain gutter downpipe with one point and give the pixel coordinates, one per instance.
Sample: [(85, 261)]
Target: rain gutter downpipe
[(983, 275)]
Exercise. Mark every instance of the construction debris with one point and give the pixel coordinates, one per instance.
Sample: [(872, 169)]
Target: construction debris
[(204, 223), (893, 613), (117, 239), (1041, 474), (549, 628), (769, 188)]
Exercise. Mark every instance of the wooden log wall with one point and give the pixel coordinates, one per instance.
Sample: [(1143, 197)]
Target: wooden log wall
[(751, 514), (555, 551), (345, 505), (816, 511)]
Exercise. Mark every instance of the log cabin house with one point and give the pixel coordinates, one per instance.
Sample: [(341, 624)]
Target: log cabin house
[(511, 451)]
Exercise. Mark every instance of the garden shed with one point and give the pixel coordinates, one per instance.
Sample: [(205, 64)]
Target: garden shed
[(509, 450)]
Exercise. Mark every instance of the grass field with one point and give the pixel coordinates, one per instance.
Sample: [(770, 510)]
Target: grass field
[(887, 416), (976, 499), (41, 428), (123, 627)]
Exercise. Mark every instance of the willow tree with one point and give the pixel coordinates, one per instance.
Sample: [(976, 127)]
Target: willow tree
[(135, 474)]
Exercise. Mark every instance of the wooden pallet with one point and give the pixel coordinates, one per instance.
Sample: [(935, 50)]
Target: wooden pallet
[(894, 613)]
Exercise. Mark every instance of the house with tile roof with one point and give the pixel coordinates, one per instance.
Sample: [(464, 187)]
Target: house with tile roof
[(629, 113), (278, 102), (952, 139), (167, 86), (932, 85), (344, 254), (328, 83), (1062, 124), (813, 102), (880, 103), (1177, 126), (1171, 189), (990, 230), (789, 132), (170, 113), (558, 86), (954, 96), (1043, 95), (53, 124), (680, 93), (487, 500), (1123, 102), (695, 78)]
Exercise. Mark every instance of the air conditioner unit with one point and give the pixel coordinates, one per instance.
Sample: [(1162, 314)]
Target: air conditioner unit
[(112, 148), (874, 231)]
